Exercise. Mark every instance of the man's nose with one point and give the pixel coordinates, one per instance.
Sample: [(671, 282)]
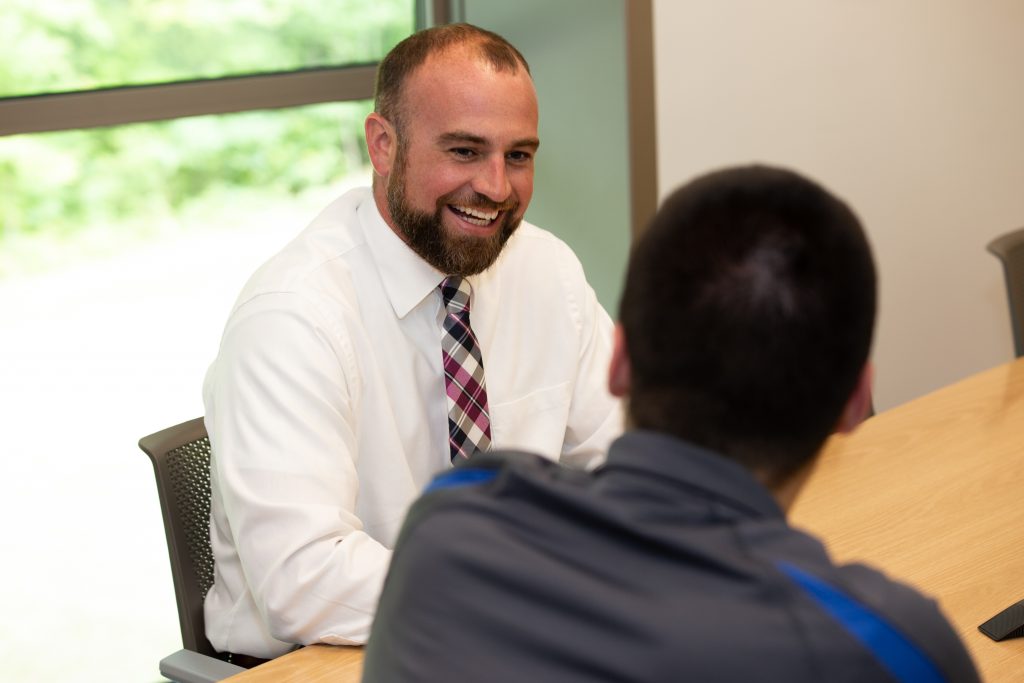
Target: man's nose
[(492, 180)]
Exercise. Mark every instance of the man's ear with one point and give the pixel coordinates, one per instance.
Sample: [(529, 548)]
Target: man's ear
[(381, 143), (619, 370), (858, 407)]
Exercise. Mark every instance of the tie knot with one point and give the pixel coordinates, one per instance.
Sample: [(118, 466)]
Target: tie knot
[(455, 291)]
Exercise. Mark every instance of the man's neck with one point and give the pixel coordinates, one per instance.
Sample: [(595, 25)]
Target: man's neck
[(786, 491)]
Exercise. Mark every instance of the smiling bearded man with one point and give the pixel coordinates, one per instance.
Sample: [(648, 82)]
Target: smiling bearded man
[(455, 156), (395, 334)]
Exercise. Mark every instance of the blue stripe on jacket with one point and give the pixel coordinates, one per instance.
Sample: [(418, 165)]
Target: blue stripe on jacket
[(461, 477), (894, 651)]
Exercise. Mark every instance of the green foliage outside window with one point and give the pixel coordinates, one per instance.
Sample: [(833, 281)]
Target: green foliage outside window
[(77, 191)]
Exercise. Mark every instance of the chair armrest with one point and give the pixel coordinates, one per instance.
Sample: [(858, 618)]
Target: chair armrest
[(186, 666)]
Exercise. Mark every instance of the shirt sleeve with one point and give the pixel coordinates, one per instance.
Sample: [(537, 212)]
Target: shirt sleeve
[(280, 413)]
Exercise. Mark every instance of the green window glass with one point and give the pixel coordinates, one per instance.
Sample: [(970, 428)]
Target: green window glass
[(70, 196), (68, 45)]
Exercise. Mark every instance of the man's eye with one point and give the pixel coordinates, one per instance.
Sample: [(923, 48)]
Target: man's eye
[(463, 152), (519, 157)]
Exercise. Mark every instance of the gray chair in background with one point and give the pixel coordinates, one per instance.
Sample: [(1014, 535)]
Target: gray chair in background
[(181, 461), (1009, 248)]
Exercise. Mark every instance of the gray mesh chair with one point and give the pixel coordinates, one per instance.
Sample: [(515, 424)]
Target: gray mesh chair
[(1009, 248), (181, 461)]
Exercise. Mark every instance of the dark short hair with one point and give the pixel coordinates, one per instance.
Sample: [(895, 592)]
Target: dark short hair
[(412, 52), (748, 313)]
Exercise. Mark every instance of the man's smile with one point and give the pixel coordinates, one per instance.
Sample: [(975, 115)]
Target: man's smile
[(477, 217)]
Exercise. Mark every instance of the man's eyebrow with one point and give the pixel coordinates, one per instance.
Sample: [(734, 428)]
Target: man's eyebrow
[(532, 143), (459, 136), (456, 137)]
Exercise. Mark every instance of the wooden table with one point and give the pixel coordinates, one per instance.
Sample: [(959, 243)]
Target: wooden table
[(313, 664), (929, 492)]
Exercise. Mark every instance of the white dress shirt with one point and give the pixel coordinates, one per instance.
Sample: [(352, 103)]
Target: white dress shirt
[(327, 414)]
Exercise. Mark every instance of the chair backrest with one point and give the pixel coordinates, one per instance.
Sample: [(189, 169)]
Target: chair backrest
[(181, 460), (1009, 248)]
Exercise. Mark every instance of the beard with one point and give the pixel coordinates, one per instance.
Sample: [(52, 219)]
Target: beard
[(446, 250)]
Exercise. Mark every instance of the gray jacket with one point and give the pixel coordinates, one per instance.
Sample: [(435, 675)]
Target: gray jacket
[(669, 563)]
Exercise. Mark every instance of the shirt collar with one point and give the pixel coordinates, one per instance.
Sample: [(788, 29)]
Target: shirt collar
[(407, 278), (673, 460)]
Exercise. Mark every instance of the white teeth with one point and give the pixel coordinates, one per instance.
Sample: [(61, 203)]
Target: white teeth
[(477, 213)]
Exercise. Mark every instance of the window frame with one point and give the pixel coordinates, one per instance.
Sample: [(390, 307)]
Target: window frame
[(116, 106)]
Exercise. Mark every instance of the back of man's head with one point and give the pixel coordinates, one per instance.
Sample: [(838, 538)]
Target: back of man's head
[(748, 313)]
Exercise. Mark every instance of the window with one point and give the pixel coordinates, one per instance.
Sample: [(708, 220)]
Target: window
[(72, 45), (152, 154), (82, 194)]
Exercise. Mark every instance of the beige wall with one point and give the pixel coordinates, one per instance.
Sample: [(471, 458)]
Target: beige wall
[(912, 110)]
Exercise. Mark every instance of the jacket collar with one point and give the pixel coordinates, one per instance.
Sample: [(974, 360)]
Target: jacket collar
[(677, 463)]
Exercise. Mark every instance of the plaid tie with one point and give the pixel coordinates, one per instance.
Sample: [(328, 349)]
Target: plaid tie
[(469, 425)]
